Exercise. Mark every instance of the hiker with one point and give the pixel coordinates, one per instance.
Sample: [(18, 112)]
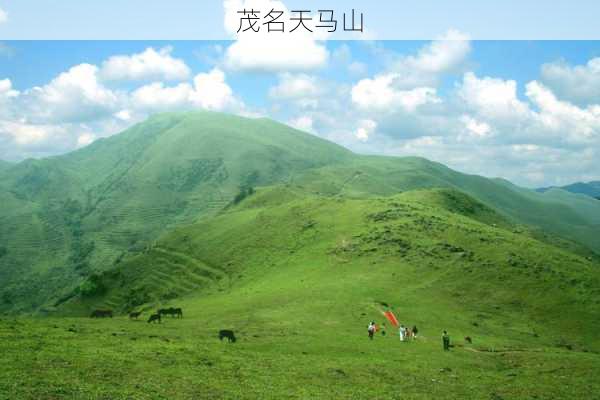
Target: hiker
[(415, 331), (402, 332), (446, 341), (371, 329)]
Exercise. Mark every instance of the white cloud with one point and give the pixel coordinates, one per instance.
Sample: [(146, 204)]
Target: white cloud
[(6, 89), (3, 16), (292, 86), (446, 54), (210, 91), (303, 123), (579, 84), (85, 138), (366, 128), (563, 118), (27, 134), (149, 64), (75, 95), (475, 128), (379, 93), (274, 51), (491, 97)]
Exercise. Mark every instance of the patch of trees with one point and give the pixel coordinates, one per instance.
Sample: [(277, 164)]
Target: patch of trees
[(244, 192), (93, 286)]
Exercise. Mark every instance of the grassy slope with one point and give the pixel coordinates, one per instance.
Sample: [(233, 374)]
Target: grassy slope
[(304, 274)]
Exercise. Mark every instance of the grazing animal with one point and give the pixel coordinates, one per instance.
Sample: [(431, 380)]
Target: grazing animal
[(154, 318), (134, 314), (101, 314), (173, 312), (468, 339), (226, 333)]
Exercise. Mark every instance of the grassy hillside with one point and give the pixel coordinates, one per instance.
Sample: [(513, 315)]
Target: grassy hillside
[(66, 219), (298, 276)]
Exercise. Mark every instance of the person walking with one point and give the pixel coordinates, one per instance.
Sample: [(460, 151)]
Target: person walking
[(371, 329), (402, 332), (446, 341), (415, 331)]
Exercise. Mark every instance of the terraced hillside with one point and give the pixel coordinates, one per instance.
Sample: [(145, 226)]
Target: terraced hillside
[(66, 219)]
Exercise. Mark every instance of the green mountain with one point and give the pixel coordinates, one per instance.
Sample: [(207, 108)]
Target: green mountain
[(591, 189), (67, 218)]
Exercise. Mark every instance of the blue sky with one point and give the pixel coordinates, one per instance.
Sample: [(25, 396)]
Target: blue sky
[(527, 111)]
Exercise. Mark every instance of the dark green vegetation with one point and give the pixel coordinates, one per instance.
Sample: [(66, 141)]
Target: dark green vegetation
[(591, 189), (294, 243)]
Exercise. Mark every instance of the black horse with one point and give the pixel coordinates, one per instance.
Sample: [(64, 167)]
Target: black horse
[(154, 318), (173, 312), (226, 333), (101, 314)]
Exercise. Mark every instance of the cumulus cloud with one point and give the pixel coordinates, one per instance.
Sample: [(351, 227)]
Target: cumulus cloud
[(274, 51), (3, 16), (209, 91), (492, 97), (74, 95), (149, 64), (6, 89), (366, 127), (303, 123), (579, 84), (380, 93), (446, 54)]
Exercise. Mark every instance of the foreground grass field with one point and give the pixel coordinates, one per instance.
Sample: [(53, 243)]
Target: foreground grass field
[(324, 357), (298, 277)]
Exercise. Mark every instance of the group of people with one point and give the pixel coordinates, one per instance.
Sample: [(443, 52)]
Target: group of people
[(405, 333)]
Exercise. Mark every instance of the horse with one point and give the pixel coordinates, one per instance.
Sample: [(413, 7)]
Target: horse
[(173, 312), (101, 314), (226, 333), (154, 317), (134, 314)]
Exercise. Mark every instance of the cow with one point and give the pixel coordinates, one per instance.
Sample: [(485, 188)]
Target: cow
[(101, 314), (226, 333), (134, 314), (154, 318)]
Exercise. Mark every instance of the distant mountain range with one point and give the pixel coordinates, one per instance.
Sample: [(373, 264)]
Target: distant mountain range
[(591, 189)]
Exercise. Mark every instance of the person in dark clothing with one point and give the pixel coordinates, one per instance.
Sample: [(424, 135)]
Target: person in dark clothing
[(446, 341), (415, 331)]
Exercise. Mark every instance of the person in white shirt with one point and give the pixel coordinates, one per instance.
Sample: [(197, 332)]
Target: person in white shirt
[(402, 333)]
